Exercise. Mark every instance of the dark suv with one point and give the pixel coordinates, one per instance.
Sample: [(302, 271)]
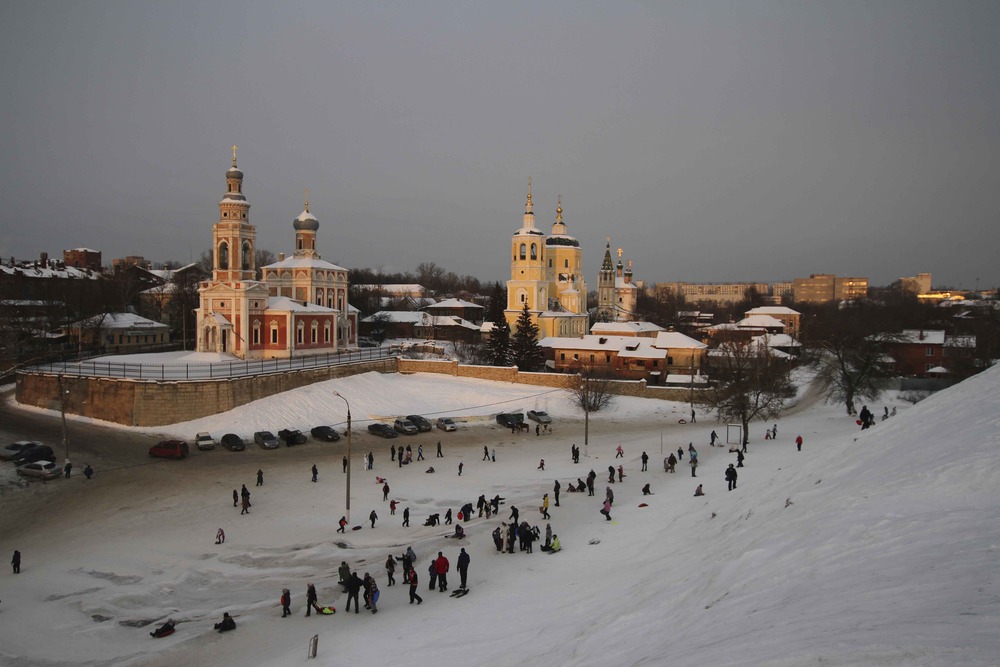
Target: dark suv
[(422, 423), (510, 419), (32, 454)]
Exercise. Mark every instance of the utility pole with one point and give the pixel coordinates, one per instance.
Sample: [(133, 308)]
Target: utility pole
[(347, 502)]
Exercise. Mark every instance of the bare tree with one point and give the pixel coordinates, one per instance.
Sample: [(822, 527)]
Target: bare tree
[(592, 391), (749, 382)]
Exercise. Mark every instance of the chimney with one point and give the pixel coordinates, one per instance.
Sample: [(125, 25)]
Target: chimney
[(45, 259), (281, 256)]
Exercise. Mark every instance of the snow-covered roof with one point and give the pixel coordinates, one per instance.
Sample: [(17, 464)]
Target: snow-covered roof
[(420, 319), (84, 250), (938, 369), (120, 321), (621, 284), (761, 322), (772, 310), (529, 231), (32, 271), (922, 336), (454, 303), (782, 340), (675, 339), (285, 304), (304, 263), (613, 328)]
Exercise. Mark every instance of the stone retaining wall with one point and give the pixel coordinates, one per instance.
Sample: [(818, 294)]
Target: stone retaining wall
[(156, 403)]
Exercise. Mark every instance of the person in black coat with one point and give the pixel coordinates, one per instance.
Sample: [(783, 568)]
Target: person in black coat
[(611, 474), (739, 459), (555, 491), (227, 623), (353, 588), (731, 476), (16, 562), (311, 600), (463, 566), (286, 602)]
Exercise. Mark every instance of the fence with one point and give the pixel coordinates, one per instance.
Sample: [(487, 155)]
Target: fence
[(212, 371)]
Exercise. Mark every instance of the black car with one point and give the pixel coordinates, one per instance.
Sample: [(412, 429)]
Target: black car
[(32, 454), (292, 436), (510, 419), (327, 433), (422, 423), (383, 430), (233, 442)]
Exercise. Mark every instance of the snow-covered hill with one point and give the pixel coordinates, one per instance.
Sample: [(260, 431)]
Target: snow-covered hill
[(866, 548)]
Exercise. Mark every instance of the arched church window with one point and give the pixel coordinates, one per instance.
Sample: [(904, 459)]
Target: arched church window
[(246, 259), (274, 333), (534, 251), (299, 244), (326, 332), (300, 333), (256, 333), (523, 250), (223, 255), (314, 332), (319, 297)]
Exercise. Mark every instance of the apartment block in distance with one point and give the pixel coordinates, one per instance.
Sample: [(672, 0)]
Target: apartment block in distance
[(825, 287)]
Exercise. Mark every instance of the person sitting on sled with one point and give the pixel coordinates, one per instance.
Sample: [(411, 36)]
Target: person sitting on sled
[(164, 630)]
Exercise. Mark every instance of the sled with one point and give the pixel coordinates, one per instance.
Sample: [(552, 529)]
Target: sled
[(644, 504), (375, 597), (682, 421), (328, 611), (460, 516), (157, 634), (459, 592)]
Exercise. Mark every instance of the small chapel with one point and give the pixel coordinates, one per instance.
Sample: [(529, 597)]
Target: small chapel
[(617, 295), (299, 308)]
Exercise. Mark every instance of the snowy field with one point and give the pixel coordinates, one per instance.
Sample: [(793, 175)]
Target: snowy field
[(866, 548)]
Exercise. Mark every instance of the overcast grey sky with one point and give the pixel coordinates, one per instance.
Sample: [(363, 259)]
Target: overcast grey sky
[(713, 141)]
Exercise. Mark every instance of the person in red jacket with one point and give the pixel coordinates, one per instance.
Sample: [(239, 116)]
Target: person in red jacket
[(798, 443), (441, 569)]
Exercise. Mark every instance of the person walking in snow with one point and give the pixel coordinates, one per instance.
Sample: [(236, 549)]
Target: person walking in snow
[(609, 495), (420, 452), (236, 498), (486, 453), (693, 420), (260, 477), (694, 465), (413, 587), (371, 461), (645, 460), (439, 454), (798, 443), (246, 505), (315, 472), (342, 523), (390, 570), (15, 562), (671, 462), (392, 507), (345, 465), (621, 473), (385, 492), (286, 602), (606, 510), (545, 507), (392, 453), (713, 437), (494, 457), (372, 517), (620, 453), (461, 464), (731, 476), (555, 491), (513, 515), (590, 482), (463, 567), (447, 517), (680, 454), (88, 472), (541, 464), (311, 600), (611, 474), (739, 459), (406, 517)]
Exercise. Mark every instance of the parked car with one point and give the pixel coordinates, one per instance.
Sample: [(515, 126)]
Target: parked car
[(169, 449), (509, 419), (446, 424), (266, 440), (235, 443), (382, 430), (422, 423), (539, 416), (405, 426), (204, 441), (292, 436), (40, 469), (15, 448), (32, 454), (327, 433)]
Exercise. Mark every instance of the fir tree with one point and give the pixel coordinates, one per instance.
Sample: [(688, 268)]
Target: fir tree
[(498, 348), (497, 304), (525, 351)]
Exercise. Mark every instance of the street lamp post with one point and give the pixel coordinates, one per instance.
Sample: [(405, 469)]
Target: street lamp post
[(347, 502), (586, 415), (62, 413)]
